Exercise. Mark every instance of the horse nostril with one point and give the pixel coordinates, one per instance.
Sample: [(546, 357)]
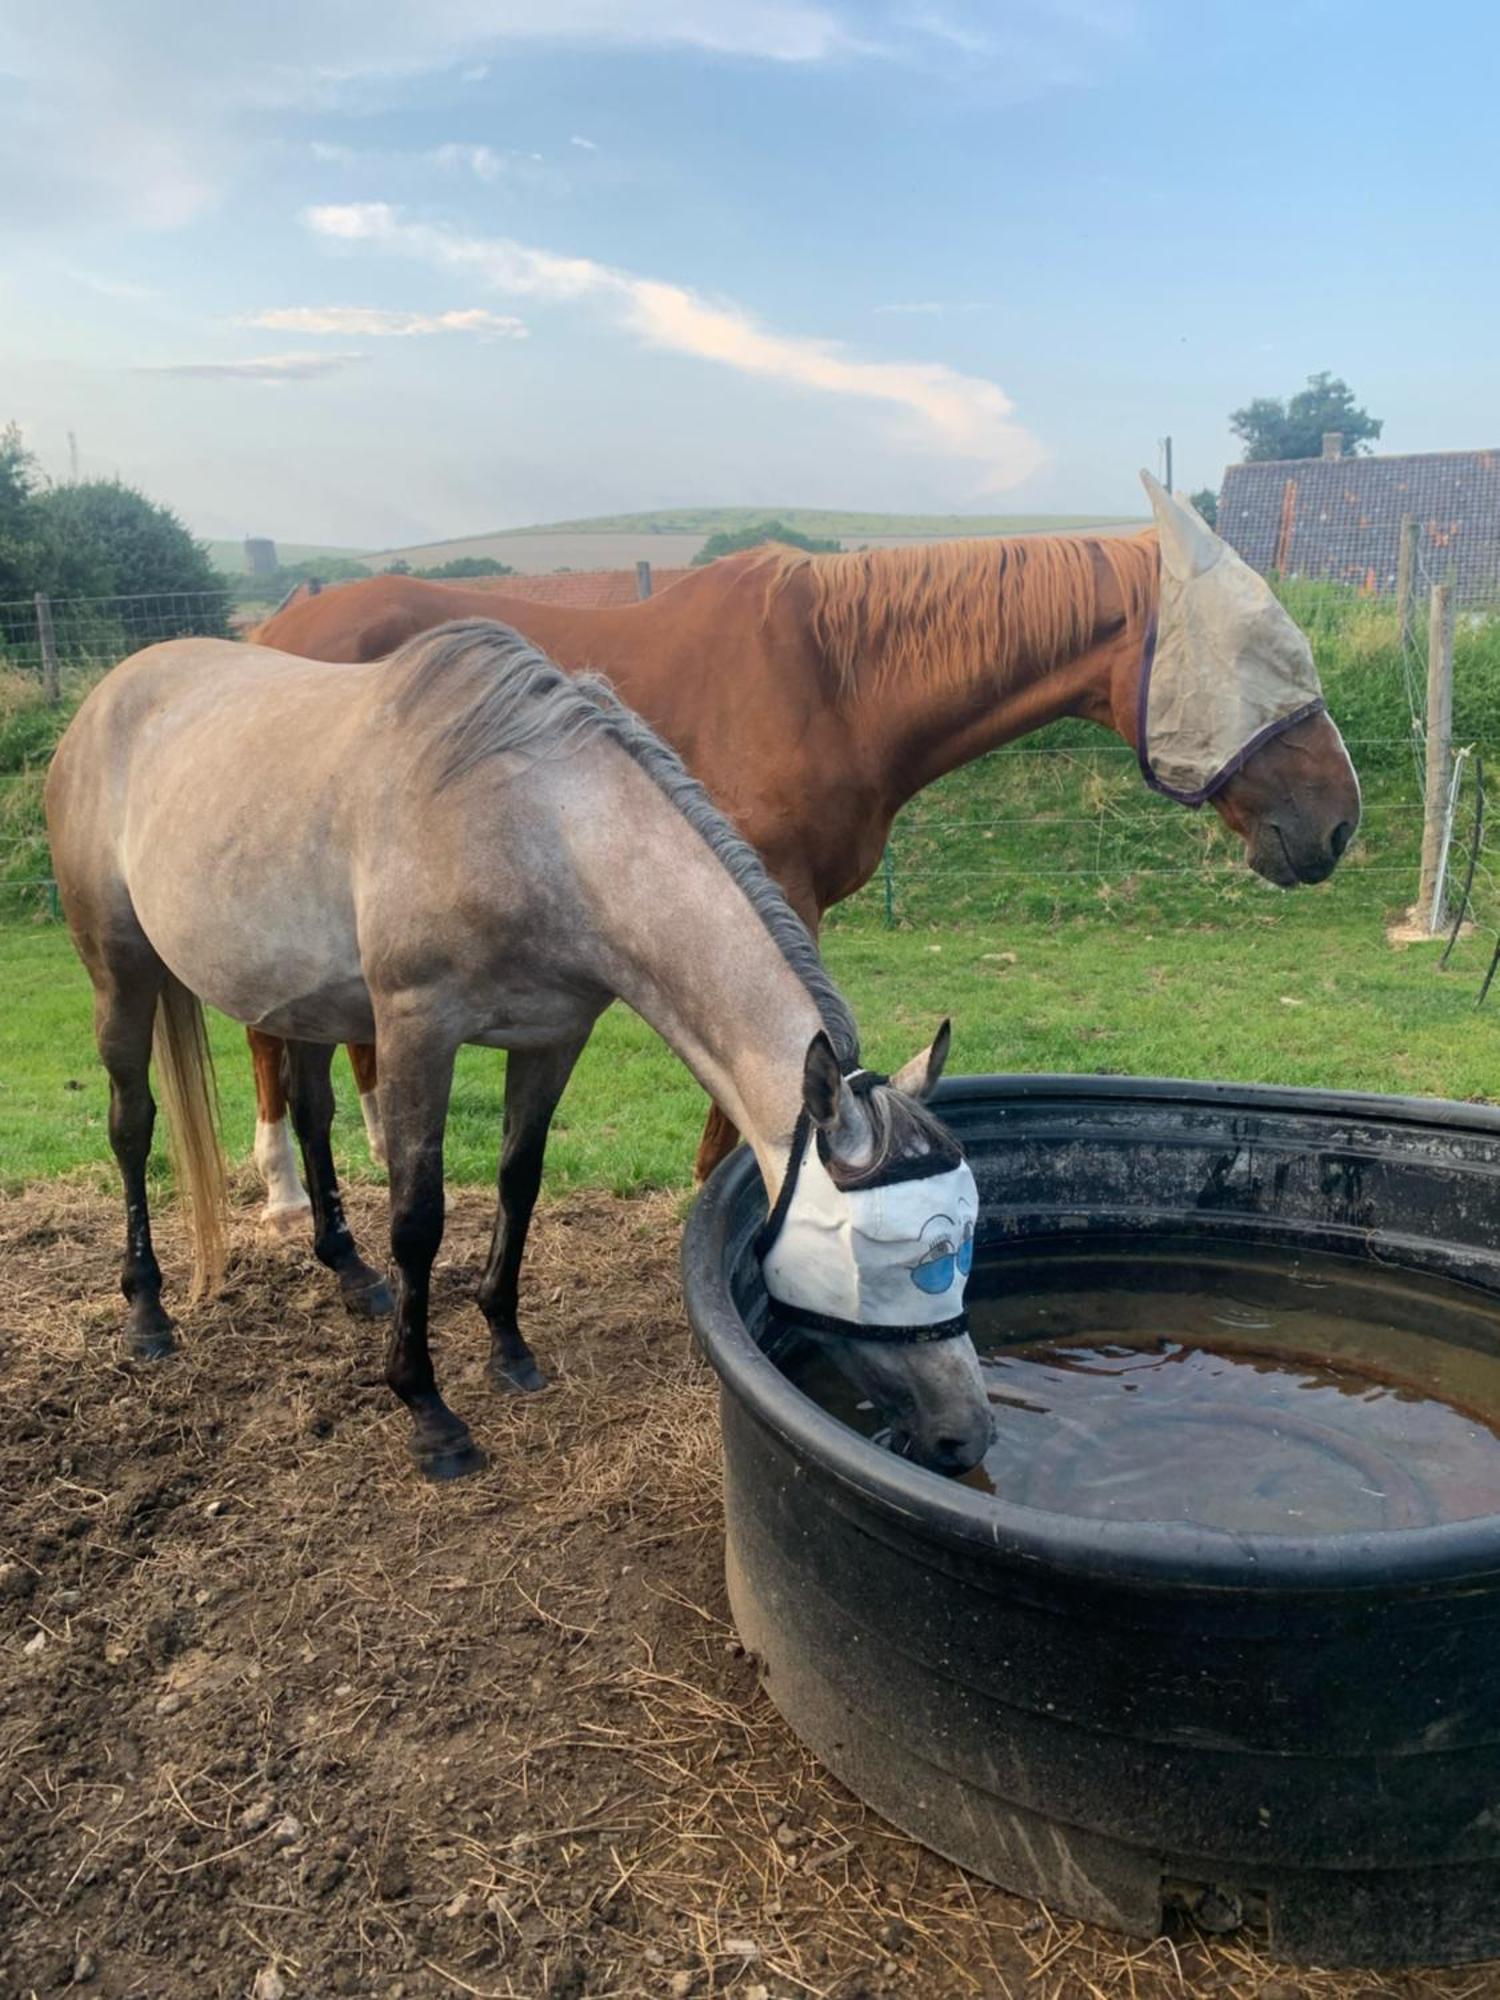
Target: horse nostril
[(1341, 836), (958, 1454)]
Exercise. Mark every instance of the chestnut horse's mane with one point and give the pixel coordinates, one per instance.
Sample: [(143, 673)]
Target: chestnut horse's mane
[(950, 611)]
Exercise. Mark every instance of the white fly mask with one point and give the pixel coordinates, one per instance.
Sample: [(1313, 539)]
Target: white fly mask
[(1225, 670), (886, 1261)]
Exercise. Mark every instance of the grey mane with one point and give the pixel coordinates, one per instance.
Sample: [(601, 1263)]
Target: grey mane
[(499, 696)]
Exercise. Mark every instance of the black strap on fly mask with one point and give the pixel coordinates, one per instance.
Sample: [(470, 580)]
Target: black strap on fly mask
[(797, 1318)]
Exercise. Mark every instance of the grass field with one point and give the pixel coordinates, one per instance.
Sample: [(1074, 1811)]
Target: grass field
[(1303, 990), (1064, 917)]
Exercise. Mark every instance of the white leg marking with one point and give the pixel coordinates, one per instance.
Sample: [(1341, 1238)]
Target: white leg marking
[(287, 1208), (369, 1104)]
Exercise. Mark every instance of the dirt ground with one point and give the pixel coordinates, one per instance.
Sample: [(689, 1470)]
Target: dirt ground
[(276, 1719)]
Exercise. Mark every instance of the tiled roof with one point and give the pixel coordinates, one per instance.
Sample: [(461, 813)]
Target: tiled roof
[(1339, 519)]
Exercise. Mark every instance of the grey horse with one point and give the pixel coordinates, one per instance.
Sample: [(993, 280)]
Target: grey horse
[(458, 844)]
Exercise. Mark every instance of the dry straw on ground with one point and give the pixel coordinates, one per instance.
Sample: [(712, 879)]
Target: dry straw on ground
[(276, 1719)]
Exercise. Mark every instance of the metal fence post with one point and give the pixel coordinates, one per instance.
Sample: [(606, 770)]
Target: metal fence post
[(1439, 744), (643, 579), (888, 877), (51, 682)]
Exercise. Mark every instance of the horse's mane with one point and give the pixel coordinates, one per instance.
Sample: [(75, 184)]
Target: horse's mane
[(953, 611), (481, 691)]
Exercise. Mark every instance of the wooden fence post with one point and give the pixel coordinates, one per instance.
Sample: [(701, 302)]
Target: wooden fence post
[(1439, 747), (1406, 574), (643, 579), (51, 681)]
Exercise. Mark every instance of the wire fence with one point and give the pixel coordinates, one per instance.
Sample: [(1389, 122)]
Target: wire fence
[(67, 641), (1043, 832), (1056, 826)]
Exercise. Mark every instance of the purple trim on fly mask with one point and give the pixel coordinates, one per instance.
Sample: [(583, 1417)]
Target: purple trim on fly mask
[(1236, 763)]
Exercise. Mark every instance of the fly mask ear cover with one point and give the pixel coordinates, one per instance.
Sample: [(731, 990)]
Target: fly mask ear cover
[(884, 1261), (1225, 667)]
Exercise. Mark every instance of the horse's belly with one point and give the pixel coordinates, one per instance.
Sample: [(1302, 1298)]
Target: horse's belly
[(265, 960)]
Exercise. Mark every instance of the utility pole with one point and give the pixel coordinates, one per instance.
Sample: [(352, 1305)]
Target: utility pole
[(1166, 457)]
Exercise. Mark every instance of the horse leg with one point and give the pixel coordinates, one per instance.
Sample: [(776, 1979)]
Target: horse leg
[(124, 1017), (366, 1077), (534, 1081), (287, 1207), (416, 1077), (309, 1090)]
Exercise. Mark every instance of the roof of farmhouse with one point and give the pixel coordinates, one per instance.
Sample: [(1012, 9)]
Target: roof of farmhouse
[(1339, 519)]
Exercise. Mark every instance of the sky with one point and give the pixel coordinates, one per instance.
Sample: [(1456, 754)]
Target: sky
[(376, 274)]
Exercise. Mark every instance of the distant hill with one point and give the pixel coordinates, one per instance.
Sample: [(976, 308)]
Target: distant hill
[(817, 521), (230, 556), (670, 536)]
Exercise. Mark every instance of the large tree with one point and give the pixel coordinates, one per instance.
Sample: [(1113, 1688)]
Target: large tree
[(111, 542), (1272, 428), (26, 556)]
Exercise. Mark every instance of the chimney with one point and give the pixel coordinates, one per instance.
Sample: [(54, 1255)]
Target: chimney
[(1333, 444)]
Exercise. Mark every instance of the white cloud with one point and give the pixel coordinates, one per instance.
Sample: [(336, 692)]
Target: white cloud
[(108, 287), (585, 145), (272, 368), (485, 163), (380, 322), (140, 111), (960, 416)]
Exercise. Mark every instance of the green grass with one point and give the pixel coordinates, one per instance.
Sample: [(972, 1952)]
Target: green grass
[(1303, 990), (1065, 917)]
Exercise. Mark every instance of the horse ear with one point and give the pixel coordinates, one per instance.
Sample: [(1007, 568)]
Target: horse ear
[(919, 1077), (822, 1083), (1189, 545)]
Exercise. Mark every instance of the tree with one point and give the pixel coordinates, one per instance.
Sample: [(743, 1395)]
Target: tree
[(131, 546), (111, 541), (26, 558), (729, 541), (1295, 428), (1206, 500), (461, 566)]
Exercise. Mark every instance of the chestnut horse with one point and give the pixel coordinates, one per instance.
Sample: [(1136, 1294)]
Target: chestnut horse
[(813, 695)]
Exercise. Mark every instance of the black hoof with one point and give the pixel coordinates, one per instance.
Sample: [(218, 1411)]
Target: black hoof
[(455, 1458), (149, 1336), (367, 1295), (517, 1378)]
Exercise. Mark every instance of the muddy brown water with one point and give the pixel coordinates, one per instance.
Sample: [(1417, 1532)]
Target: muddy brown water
[(1250, 1391)]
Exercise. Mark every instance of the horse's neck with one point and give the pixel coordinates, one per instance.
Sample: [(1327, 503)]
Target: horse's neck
[(923, 723), (680, 943)]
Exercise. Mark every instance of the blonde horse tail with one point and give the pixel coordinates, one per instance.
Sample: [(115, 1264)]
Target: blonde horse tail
[(185, 1077)]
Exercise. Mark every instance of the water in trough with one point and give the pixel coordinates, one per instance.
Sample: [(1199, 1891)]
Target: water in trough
[(1253, 1391)]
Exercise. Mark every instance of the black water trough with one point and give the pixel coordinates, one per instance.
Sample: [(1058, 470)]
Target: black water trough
[(1132, 1718)]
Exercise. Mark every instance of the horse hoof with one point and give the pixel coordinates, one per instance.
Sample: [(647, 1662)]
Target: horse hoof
[(150, 1346), (287, 1220), (517, 1378), (455, 1458), (369, 1298), (150, 1339)]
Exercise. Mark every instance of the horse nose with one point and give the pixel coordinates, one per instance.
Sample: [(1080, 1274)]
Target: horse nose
[(960, 1454), (1341, 836)]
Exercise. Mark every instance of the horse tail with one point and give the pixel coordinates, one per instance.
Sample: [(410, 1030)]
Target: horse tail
[(185, 1075)]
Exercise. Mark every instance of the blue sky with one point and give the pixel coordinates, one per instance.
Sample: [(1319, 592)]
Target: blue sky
[(378, 273)]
